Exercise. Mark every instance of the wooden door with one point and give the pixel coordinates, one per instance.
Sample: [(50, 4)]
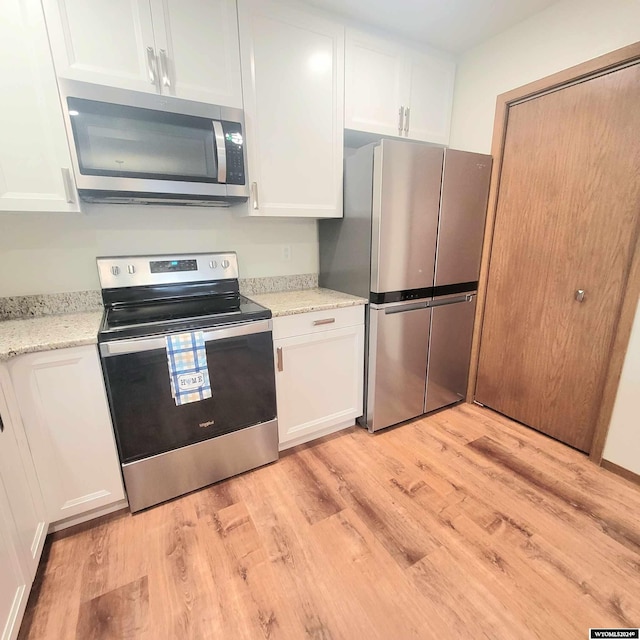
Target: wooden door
[(567, 219)]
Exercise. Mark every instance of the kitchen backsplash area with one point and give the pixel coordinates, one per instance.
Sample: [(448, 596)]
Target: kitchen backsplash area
[(67, 244)]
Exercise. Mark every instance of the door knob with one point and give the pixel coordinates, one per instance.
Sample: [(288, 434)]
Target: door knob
[(580, 295)]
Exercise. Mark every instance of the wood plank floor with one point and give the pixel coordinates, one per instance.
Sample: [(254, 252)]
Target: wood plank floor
[(460, 525)]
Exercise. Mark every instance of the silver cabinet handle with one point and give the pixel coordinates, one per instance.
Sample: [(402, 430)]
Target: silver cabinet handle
[(400, 119), (254, 196), (67, 181), (164, 69), (279, 359), (407, 113), (580, 295), (324, 321), (221, 151), (151, 65)]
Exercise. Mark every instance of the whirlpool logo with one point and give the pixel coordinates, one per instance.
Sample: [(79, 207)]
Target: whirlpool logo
[(209, 423)]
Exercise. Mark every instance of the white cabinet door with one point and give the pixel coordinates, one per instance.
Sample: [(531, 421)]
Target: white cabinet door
[(293, 78), (63, 403), (34, 156), (20, 482), (431, 98), (183, 48), (103, 41), (319, 380), (14, 589), (396, 91), (198, 50), (376, 84)]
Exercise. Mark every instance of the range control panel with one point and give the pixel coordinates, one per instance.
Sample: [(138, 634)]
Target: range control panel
[(139, 271)]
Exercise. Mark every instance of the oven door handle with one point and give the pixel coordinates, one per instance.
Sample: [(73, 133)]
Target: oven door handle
[(136, 345)]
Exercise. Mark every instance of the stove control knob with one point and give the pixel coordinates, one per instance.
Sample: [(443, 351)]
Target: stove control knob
[(131, 268), (225, 264), (213, 264), (115, 270)]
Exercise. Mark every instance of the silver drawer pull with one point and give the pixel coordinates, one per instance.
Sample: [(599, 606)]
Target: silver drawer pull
[(324, 321), (279, 359)]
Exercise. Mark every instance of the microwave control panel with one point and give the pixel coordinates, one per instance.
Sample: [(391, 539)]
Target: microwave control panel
[(234, 145)]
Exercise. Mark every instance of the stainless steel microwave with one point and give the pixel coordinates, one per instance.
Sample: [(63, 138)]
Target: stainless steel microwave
[(129, 146)]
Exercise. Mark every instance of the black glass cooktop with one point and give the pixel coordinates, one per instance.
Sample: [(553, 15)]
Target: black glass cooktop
[(186, 314)]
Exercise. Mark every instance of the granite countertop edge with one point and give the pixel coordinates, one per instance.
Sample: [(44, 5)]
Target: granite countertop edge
[(47, 333), (43, 333), (287, 303)]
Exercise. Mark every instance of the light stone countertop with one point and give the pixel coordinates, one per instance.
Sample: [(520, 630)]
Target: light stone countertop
[(286, 303), (48, 332), (42, 333)]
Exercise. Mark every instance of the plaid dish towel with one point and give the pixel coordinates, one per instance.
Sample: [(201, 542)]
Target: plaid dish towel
[(188, 372)]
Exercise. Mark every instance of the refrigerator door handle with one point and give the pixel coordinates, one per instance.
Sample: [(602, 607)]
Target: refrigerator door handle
[(441, 303), (407, 307)]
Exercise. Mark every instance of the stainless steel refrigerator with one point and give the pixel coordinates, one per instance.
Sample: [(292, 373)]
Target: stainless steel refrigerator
[(410, 241)]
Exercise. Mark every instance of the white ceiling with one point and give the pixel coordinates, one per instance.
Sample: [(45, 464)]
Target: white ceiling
[(452, 25)]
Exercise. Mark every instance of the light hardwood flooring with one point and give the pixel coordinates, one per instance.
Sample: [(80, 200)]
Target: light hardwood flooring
[(459, 525)]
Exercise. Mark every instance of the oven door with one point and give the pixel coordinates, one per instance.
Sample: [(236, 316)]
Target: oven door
[(146, 419)]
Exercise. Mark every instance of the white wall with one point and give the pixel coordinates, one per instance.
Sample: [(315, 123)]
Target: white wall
[(565, 34), (623, 443), (49, 253)]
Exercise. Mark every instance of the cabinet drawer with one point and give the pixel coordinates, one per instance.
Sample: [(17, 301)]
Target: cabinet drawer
[(316, 321)]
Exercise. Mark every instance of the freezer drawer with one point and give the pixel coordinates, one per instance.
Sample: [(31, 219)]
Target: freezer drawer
[(449, 350), (397, 363)]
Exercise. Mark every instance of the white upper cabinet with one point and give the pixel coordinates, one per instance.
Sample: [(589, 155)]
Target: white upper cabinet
[(375, 84), (34, 155), (182, 48), (293, 78), (104, 41), (393, 90), (198, 50), (430, 98)]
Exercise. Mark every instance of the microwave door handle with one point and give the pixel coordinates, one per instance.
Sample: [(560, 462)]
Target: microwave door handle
[(221, 151)]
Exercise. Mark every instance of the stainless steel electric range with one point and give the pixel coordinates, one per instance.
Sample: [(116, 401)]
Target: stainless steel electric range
[(168, 449)]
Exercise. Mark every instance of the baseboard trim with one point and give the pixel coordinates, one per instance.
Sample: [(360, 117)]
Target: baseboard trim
[(620, 471), (92, 518)]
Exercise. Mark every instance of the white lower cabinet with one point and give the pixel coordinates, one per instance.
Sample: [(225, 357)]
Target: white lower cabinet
[(14, 589), (319, 372), (66, 418), (23, 524)]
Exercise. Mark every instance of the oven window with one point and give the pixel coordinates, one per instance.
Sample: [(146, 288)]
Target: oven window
[(146, 418), (129, 142)]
